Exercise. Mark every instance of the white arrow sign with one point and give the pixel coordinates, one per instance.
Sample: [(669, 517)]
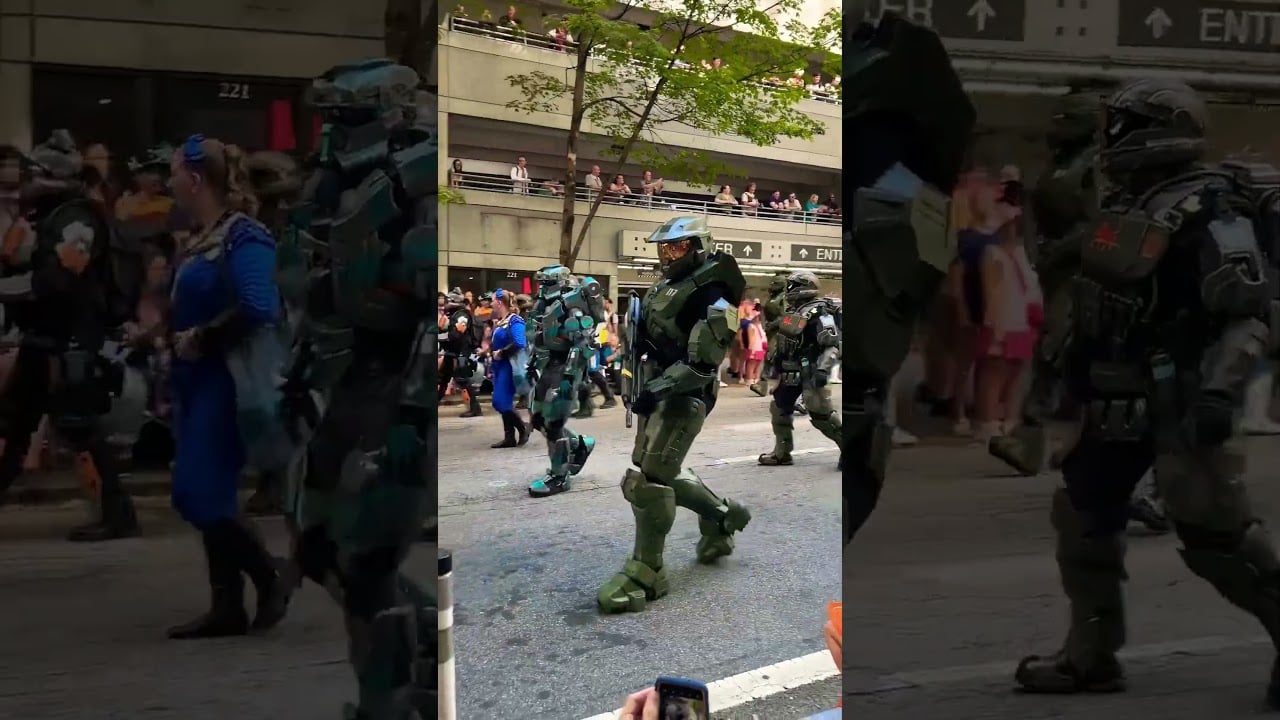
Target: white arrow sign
[(981, 12), (747, 251), (1159, 22), (804, 252)]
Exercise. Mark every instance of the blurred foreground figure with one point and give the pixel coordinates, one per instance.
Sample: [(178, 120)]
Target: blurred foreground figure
[(1173, 307), (909, 121), (363, 377), (69, 284), (1066, 200)]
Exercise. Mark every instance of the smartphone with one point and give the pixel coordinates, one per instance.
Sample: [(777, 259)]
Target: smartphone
[(681, 699)]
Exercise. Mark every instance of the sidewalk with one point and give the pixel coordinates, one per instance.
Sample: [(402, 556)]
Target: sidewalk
[(58, 486)]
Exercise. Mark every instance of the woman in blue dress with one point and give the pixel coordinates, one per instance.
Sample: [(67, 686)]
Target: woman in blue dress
[(505, 345), (223, 290)]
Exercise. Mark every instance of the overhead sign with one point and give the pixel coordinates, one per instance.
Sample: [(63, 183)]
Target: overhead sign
[(810, 254), (1240, 25), (960, 19), (740, 249)]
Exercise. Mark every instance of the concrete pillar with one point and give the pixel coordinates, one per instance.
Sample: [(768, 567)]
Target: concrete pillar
[(15, 110)]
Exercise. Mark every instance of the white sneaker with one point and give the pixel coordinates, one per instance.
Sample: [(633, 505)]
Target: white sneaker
[(724, 384), (902, 438)]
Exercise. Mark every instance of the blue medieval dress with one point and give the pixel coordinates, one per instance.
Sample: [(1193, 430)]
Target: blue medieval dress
[(210, 456), (509, 337)]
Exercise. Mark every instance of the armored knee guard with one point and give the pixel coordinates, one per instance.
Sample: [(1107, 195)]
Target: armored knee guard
[(1243, 567), (718, 518), (1092, 569), (828, 425)]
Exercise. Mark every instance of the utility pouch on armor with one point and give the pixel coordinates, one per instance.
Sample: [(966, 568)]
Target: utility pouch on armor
[(1164, 396), (792, 325), (1118, 419), (1124, 248)]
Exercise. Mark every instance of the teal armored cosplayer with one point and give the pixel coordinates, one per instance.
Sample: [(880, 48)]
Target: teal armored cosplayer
[(362, 381), (676, 345), (566, 317)]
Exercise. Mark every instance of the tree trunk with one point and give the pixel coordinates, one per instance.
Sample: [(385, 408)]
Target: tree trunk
[(410, 34), (568, 249)]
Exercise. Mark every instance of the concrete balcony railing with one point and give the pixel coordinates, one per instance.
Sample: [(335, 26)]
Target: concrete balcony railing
[(498, 228), (473, 68)]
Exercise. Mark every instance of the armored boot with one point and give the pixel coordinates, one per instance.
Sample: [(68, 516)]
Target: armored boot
[(585, 408), (1248, 577), (508, 431), (783, 438), (761, 387), (118, 519), (1092, 569), (643, 577), (226, 616), (718, 518), (560, 451), (1023, 449), (473, 405)]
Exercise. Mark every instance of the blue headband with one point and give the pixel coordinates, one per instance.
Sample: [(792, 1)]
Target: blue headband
[(500, 294), (193, 150)]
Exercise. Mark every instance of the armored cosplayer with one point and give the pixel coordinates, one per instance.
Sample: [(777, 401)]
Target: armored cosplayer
[(367, 479), (461, 338), (68, 287), (564, 341), (910, 121), (676, 345), (807, 350), (1172, 314)]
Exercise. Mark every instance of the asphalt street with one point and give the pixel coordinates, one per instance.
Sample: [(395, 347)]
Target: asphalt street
[(954, 580), (530, 642)]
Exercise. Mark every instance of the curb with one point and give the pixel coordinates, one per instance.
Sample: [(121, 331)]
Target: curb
[(60, 486)]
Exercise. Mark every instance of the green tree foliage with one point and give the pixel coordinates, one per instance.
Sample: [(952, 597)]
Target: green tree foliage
[(628, 83)]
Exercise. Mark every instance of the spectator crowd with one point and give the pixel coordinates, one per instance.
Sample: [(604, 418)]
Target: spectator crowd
[(652, 192)]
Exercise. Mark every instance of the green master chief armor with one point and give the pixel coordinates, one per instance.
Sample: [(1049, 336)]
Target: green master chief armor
[(910, 122), (1065, 202), (363, 377), (567, 327), (686, 323), (808, 349)]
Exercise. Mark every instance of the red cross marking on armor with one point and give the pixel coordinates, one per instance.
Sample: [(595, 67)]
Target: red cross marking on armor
[(786, 320), (1105, 237)]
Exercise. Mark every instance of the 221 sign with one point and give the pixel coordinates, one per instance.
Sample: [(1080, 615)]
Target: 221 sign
[(233, 91)]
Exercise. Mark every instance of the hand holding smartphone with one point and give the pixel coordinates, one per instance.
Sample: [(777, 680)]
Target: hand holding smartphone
[(681, 699)]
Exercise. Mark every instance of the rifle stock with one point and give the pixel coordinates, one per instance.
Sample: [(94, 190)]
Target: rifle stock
[(631, 361)]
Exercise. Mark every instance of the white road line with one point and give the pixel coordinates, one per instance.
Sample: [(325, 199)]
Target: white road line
[(769, 680), (994, 671), (754, 458)]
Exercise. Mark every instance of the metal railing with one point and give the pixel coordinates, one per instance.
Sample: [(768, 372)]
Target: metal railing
[(505, 33), (553, 190)]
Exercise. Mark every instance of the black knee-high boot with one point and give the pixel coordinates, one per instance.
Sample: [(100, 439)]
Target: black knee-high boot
[(522, 428), (226, 615), (508, 433), (272, 587)]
